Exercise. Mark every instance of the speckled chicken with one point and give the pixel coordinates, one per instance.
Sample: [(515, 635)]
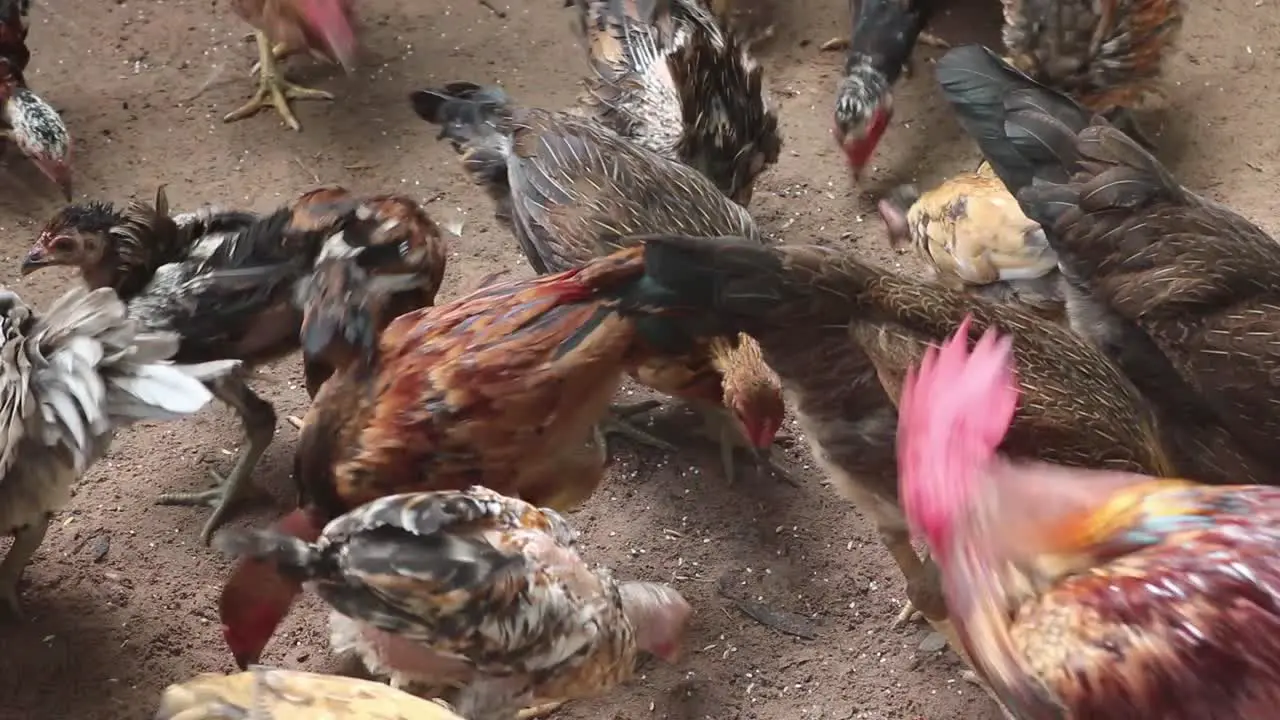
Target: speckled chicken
[(669, 76), (30, 123), (163, 270), (1087, 594), (504, 386), (321, 28), (264, 693), (571, 189), (71, 376), (476, 591), (842, 335), (974, 237), (1179, 290)]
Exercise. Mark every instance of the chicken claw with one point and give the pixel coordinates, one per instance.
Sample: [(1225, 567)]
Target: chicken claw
[(617, 424), (929, 38), (538, 711), (25, 543), (274, 90), (908, 614)]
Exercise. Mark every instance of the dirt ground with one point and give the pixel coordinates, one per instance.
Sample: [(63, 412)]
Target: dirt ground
[(121, 599)]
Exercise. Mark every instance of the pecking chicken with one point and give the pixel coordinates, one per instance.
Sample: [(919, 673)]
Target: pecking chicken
[(842, 335), (30, 123), (322, 28), (504, 387), (72, 376), (570, 188), (475, 591), (1087, 594), (669, 77), (272, 694), (1180, 291), (974, 237), (164, 272)]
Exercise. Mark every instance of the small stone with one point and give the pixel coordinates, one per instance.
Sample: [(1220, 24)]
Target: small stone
[(933, 642), (98, 548)]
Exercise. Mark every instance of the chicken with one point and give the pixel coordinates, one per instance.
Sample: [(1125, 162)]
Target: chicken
[(974, 237), (668, 77), (1177, 289), (569, 188), (884, 33), (1087, 594), (322, 28), (30, 123), (486, 594), (504, 387), (71, 377), (163, 272), (842, 335), (273, 694)]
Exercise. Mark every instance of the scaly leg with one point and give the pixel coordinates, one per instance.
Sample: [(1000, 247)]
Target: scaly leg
[(617, 424), (274, 90), (25, 543), (259, 420), (538, 711), (279, 52), (924, 587)]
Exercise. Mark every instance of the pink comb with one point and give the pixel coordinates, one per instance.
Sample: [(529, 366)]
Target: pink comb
[(953, 414)]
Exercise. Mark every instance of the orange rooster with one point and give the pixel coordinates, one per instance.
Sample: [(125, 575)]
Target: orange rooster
[(323, 28), (503, 387), (1085, 593), (477, 592), (30, 122)]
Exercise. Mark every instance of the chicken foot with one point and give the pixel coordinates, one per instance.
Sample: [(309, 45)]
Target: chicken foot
[(25, 543), (259, 420), (617, 423), (274, 90)]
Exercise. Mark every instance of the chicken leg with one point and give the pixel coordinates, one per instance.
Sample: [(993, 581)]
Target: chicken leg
[(25, 543), (259, 420), (274, 90), (618, 423)]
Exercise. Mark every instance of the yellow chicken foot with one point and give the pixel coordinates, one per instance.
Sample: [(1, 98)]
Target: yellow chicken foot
[(274, 90), (908, 614), (25, 543), (835, 43), (538, 711)]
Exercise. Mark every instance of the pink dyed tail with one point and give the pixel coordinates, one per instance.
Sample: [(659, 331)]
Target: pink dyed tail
[(953, 414), (329, 19)]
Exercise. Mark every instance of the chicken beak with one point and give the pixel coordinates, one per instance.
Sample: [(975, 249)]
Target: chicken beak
[(34, 260)]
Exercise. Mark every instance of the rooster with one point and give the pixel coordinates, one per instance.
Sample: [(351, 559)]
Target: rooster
[(32, 124), (324, 28), (71, 376), (476, 591), (1086, 593)]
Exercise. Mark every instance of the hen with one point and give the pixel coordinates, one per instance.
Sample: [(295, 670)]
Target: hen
[(1087, 594), (974, 237), (272, 694), (570, 189), (225, 285), (71, 376), (322, 28), (671, 79), (503, 387), (1180, 291), (842, 335), (476, 591), (30, 123)]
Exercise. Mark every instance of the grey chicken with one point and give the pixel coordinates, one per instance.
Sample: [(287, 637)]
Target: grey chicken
[(571, 189), (669, 76), (71, 377)]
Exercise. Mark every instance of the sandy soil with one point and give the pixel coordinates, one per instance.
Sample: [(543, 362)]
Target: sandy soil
[(121, 599)]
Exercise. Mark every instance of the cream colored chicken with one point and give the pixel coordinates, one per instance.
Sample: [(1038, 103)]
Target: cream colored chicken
[(974, 237)]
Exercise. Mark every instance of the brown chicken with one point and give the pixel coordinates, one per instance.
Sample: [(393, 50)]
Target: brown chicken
[(842, 335), (570, 189), (670, 77), (30, 123), (476, 592), (162, 270), (1087, 594), (272, 694), (322, 28), (503, 387), (974, 237), (70, 377), (1177, 289)]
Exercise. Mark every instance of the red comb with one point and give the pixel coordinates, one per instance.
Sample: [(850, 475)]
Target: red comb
[(954, 412)]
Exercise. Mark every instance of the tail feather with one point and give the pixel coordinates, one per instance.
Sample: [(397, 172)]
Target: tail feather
[(953, 414), (1026, 130)]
